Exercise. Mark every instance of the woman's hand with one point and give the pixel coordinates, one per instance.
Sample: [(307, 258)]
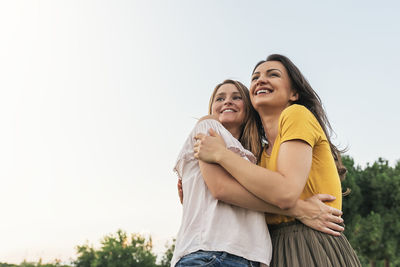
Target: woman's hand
[(180, 191), (319, 216), (209, 148)]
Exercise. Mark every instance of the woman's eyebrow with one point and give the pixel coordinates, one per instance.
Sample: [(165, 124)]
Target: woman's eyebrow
[(268, 71), (220, 94)]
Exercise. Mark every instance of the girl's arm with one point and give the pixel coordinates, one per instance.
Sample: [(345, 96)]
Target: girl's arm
[(180, 191), (225, 188), (312, 212), (281, 188)]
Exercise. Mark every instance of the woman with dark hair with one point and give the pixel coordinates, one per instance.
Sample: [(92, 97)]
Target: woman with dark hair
[(299, 161), (213, 232)]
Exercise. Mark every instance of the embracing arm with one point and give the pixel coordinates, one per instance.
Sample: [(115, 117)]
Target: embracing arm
[(312, 211), (225, 188), (281, 188)]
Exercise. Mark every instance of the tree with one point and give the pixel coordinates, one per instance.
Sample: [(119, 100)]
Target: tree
[(372, 211), (118, 250), (86, 255), (353, 201), (166, 258)]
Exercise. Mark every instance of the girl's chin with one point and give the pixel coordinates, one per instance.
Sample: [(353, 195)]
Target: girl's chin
[(231, 122), (262, 105), (260, 102)]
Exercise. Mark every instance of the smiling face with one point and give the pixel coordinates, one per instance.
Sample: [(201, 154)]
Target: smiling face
[(271, 86), (229, 106)]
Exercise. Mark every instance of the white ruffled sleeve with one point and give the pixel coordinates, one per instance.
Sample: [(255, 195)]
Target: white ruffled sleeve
[(186, 154)]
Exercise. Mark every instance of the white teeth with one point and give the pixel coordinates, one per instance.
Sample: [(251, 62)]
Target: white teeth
[(228, 110), (262, 92)]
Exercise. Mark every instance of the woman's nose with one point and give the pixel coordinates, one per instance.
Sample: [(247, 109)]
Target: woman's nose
[(228, 101), (261, 80)]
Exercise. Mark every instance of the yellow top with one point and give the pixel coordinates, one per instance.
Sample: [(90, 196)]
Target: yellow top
[(297, 122)]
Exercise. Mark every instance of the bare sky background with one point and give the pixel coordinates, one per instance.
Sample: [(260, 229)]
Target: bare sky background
[(97, 97)]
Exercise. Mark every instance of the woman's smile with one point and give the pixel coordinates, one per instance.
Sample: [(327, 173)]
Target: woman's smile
[(228, 103)]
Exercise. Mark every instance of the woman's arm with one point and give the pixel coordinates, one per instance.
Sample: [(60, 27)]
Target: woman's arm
[(312, 212), (225, 188), (180, 191), (281, 188)]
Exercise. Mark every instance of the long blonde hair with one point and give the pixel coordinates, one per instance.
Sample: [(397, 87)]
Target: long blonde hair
[(250, 136)]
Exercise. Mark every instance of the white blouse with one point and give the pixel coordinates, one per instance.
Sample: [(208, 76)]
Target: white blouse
[(212, 225)]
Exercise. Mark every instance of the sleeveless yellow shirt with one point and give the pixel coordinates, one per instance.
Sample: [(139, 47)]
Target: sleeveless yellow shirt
[(297, 122)]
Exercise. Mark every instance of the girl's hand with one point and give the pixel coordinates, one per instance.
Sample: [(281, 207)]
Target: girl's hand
[(180, 191), (209, 148), (314, 213)]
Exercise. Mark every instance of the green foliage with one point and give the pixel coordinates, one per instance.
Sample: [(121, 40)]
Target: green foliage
[(369, 232), (166, 258), (86, 255), (119, 250), (355, 198), (56, 263), (372, 211)]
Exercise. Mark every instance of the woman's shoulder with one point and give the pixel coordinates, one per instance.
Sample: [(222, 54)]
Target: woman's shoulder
[(209, 121), (296, 109), (297, 113), (209, 117)]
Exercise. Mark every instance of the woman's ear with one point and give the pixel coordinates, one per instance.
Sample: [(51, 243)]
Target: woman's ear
[(294, 96)]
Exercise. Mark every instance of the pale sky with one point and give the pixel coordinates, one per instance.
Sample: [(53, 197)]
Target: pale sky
[(97, 98)]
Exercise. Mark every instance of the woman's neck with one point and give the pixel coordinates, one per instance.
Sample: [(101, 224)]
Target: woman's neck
[(235, 131), (270, 124), (270, 120)]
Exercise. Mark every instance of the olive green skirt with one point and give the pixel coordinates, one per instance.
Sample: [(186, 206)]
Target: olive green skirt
[(295, 244)]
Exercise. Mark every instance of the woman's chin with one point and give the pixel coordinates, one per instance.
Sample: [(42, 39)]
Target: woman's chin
[(264, 104), (228, 123), (260, 104)]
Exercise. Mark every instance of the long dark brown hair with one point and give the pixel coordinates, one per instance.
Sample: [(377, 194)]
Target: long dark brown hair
[(309, 98), (250, 135)]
